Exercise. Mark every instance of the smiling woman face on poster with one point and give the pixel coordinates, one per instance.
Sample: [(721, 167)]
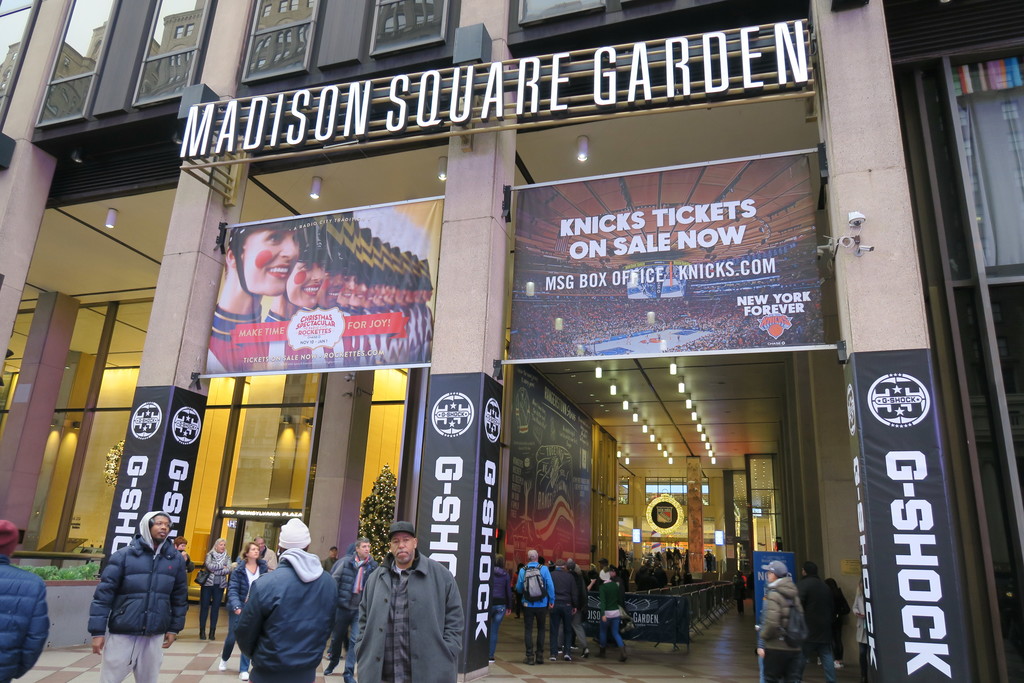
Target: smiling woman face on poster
[(258, 264)]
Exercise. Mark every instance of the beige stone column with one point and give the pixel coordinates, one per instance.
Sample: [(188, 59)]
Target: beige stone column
[(25, 185), (881, 304), (190, 271), (469, 315), (35, 398)]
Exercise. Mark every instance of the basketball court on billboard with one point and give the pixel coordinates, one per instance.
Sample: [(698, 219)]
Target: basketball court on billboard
[(645, 343)]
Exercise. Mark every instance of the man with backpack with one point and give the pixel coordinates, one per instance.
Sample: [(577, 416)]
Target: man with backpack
[(782, 628), (819, 606), (538, 591)]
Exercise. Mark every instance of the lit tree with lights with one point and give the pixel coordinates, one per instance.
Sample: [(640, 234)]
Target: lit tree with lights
[(377, 513)]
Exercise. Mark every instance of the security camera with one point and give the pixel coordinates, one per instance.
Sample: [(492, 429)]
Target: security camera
[(863, 249), (847, 242), (857, 219)]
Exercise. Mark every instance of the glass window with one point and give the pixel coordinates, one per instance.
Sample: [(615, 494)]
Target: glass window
[(170, 60), (539, 10), (75, 68), (623, 490), (990, 98), (280, 39), (13, 20), (403, 24)]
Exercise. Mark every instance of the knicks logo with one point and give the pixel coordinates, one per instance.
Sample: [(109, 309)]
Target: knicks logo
[(775, 325)]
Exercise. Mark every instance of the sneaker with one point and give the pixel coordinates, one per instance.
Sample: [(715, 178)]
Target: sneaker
[(244, 676), (222, 665), (328, 671), (567, 658), (490, 660), (552, 658), (839, 665), (529, 659), (586, 653)]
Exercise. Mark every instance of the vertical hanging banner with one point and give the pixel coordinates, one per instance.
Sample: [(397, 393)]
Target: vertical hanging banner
[(158, 463), (332, 291), (915, 618), (710, 257), (458, 493), (549, 473)]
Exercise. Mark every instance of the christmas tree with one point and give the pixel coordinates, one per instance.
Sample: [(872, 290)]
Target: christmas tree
[(377, 513)]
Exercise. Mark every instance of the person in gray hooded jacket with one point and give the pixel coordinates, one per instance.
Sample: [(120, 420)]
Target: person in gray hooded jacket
[(289, 614), (140, 603)]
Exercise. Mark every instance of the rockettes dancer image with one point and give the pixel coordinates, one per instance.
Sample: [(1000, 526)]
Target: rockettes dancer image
[(257, 264)]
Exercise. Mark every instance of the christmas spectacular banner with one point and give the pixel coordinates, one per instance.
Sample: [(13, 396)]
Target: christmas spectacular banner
[(549, 474), (710, 257), (328, 291)]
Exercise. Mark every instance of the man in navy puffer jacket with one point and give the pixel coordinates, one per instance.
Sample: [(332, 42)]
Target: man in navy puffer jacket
[(139, 606), (24, 624)]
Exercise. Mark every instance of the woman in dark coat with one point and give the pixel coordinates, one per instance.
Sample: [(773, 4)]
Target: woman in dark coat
[(840, 609), (250, 569), (501, 599)]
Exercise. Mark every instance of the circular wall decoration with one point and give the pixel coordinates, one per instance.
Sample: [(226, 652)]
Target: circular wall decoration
[(665, 514)]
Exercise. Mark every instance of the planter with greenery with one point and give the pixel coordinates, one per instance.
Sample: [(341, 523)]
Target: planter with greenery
[(69, 591)]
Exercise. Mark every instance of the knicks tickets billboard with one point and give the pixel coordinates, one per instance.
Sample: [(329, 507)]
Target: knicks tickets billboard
[(341, 290), (710, 257)]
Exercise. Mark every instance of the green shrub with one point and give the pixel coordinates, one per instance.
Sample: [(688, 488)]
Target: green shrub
[(83, 572)]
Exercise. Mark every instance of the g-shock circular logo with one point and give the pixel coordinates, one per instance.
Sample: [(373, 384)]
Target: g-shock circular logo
[(186, 425), (452, 414), (492, 420), (146, 420), (899, 400), (851, 409)]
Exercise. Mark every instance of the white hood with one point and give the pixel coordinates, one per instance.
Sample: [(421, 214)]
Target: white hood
[(306, 565)]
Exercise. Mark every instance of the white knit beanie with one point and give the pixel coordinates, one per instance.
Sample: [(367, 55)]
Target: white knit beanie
[(294, 534)]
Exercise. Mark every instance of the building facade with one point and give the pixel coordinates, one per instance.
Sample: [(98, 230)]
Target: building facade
[(138, 134)]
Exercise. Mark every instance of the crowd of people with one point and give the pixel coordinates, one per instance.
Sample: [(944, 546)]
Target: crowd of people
[(284, 609)]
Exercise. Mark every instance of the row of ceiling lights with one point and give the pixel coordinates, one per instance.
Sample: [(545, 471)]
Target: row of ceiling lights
[(673, 369)]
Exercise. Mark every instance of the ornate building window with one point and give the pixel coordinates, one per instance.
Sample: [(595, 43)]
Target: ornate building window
[(404, 24), (170, 61), (280, 38)]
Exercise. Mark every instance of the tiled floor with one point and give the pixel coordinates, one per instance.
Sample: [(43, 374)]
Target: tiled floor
[(723, 654)]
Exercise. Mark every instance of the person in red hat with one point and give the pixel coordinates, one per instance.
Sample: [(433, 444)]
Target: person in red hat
[(24, 623)]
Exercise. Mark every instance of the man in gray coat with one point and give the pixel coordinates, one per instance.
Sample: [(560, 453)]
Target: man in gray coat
[(409, 588)]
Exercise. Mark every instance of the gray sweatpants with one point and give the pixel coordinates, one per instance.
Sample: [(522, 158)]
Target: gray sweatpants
[(141, 655)]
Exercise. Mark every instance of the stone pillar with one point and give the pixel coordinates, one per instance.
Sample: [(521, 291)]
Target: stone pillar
[(910, 564), (25, 185), (35, 398), (338, 485), (463, 403), (694, 516)]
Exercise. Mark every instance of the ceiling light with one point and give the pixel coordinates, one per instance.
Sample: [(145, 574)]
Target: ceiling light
[(672, 368), (618, 454), (700, 427), (582, 148), (693, 416), (652, 437), (645, 427), (614, 389), (77, 156), (636, 416), (670, 461), (442, 169), (707, 446), (111, 218), (660, 447), (704, 436), (627, 460), (682, 387), (712, 460), (625, 404), (689, 404), (314, 188), (597, 372)]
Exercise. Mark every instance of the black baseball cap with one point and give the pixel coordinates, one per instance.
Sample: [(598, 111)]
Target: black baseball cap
[(402, 527)]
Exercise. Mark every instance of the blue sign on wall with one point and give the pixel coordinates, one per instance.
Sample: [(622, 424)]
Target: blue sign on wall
[(761, 559)]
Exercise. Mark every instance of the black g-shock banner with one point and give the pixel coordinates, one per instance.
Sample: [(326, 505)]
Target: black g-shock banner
[(159, 458), (910, 569), (458, 489)]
